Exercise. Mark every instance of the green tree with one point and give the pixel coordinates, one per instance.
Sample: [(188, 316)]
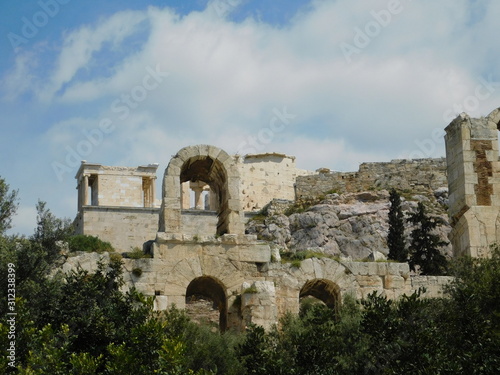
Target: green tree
[(425, 244), (472, 327), (8, 206), (395, 237), (50, 229)]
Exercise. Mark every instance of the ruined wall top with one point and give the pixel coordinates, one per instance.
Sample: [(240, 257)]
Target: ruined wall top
[(401, 174)]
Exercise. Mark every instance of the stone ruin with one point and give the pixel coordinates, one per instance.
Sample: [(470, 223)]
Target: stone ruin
[(196, 233)]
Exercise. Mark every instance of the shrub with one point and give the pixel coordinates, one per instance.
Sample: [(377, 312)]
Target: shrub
[(137, 253), (251, 290), (90, 244), (137, 272)]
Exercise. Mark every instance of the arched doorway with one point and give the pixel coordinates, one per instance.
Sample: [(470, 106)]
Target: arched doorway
[(323, 290), (210, 294)]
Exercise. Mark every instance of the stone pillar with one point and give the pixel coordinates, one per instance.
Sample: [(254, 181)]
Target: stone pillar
[(214, 204), (85, 190), (185, 196), (258, 304), (153, 192), (198, 198)]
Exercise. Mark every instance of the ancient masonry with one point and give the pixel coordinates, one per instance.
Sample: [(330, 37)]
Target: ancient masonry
[(197, 237), (474, 183)]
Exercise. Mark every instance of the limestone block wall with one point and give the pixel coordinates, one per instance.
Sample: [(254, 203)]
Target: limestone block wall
[(253, 290), (116, 190), (199, 222), (474, 183), (267, 176), (400, 174), (124, 228)]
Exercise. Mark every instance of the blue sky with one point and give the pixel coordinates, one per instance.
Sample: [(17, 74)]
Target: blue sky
[(131, 82)]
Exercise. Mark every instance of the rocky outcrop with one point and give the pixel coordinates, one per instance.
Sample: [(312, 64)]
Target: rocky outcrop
[(350, 225)]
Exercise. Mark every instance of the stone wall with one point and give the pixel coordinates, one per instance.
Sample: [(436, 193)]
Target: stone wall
[(474, 183), (254, 289), (265, 177), (199, 222), (125, 228), (400, 174)]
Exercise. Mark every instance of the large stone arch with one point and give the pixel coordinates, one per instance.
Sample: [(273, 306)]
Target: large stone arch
[(213, 166), (213, 289), (324, 290)]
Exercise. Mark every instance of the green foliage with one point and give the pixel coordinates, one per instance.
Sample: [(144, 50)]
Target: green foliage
[(251, 290), (83, 324), (137, 253), (424, 248), (473, 333), (302, 204), (297, 257), (8, 205), (395, 237), (50, 229), (83, 242)]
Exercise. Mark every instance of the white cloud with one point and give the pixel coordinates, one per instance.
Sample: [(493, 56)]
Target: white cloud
[(24, 221), (226, 78)]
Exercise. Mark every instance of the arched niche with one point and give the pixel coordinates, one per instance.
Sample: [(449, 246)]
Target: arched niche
[(324, 290), (210, 165), (212, 289)]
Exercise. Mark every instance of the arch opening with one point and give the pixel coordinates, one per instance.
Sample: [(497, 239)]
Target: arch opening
[(203, 171), (322, 290), (205, 296)]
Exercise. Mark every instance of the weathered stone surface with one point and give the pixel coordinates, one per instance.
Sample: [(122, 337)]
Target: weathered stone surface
[(474, 184), (399, 174), (352, 225)]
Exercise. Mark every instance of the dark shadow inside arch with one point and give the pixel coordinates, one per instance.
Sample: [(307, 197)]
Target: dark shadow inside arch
[(213, 173), (324, 290), (213, 290)]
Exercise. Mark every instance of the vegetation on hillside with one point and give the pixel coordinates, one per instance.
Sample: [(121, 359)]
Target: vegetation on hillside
[(82, 323), (396, 235)]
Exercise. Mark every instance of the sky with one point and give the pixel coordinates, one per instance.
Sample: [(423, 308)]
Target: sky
[(333, 82)]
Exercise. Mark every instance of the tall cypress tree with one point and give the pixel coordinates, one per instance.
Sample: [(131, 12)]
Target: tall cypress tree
[(424, 247), (395, 238)]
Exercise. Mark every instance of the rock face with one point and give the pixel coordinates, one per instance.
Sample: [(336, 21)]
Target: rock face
[(351, 225)]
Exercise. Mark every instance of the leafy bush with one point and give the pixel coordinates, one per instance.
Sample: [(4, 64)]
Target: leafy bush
[(137, 253), (90, 244)]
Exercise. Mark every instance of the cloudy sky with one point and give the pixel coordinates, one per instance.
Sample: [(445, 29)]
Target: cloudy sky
[(333, 82)]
